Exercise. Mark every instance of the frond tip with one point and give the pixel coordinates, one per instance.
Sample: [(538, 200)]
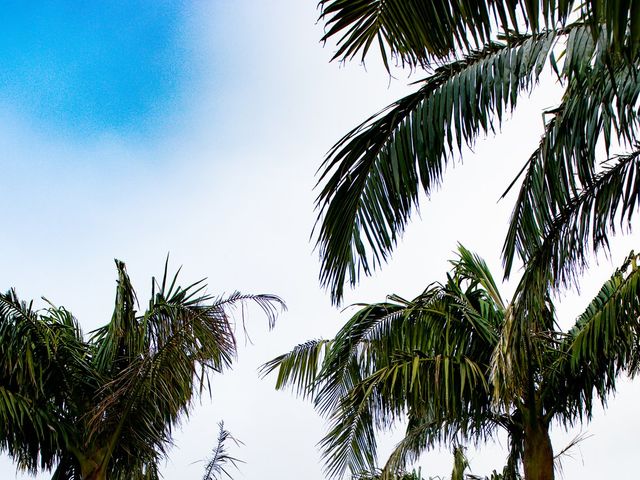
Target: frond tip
[(220, 460)]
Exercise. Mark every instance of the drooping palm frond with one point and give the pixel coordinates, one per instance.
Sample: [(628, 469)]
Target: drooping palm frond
[(422, 435), (43, 369), (582, 224), (396, 355), (602, 344), (417, 33), (372, 176), (327, 370), (448, 394), (365, 339), (220, 460), (600, 105)]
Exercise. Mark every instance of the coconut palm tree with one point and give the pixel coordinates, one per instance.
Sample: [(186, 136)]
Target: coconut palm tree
[(478, 59), (459, 363), (104, 407)]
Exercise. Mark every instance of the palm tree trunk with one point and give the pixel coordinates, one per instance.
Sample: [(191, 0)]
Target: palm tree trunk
[(538, 453), (91, 468), (96, 475)]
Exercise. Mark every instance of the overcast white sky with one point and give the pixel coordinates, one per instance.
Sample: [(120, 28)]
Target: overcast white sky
[(204, 143)]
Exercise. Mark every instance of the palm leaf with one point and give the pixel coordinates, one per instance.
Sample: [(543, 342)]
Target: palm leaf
[(601, 345), (597, 108), (216, 466), (417, 33), (43, 370), (608, 202), (300, 367), (373, 175)]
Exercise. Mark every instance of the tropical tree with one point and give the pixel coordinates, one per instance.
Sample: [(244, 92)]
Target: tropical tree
[(479, 58), (105, 406), (460, 364)]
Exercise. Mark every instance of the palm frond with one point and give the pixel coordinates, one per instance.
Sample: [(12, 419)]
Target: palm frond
[(372, 176), (601, 345), (419, 33), (440, 385), (217, 465), (43, 369), (119, 340), (182, 338), (608, 202), (300, 367), (563, 173), (470, 266), (356, 349), (422, 435)]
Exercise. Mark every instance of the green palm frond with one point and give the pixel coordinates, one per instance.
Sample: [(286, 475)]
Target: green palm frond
[(386, 350), (584, 222), (422, 435), (371, 178), (602, 344), (598, 107), (355, 350), (399, 354), (118, 341), (184, 337), (44, 369), (470, 266), (418, 33), (300, 367), (445, 389)]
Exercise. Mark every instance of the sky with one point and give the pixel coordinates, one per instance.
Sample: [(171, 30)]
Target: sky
[(134, 129)]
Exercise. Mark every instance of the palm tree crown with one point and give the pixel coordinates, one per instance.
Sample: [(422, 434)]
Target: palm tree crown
[(459, 363), (104, 407)]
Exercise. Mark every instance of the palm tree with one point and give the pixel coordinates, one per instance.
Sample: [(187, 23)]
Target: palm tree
[(104, 407), (460, 363), (569, 199)]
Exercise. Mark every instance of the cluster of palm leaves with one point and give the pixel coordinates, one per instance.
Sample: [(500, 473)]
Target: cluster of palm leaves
[(104, 407)]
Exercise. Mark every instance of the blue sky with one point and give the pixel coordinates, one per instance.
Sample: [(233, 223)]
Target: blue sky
[(86, 68)]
